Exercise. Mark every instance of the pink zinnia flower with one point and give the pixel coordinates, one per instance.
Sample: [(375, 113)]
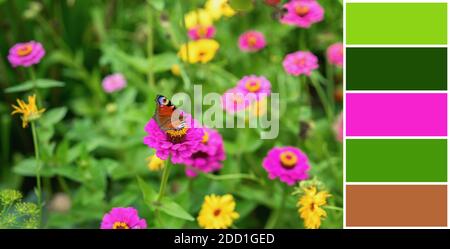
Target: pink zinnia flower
[(201, 32), (259, 85), (251, 41), (289, 164), (235, 100), (302, 13), (114, 82), (179, 144), (26, 54), (300, 62), (339, 128), (123, 218), (209, 154), (335, 54)]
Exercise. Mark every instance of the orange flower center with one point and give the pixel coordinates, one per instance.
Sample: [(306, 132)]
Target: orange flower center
[(217, 212), (288, 159), (25, 50), (253, 85), (300, 62), (251, 40), (120, 225), (176, 136), (205, 138), (201, 31), (302, 10)]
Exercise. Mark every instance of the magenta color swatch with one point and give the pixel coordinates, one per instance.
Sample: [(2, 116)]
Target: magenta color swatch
[(396, 114)]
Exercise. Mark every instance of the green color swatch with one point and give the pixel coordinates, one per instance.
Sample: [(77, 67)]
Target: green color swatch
[(396, 68), (396, 160), (396, 23)]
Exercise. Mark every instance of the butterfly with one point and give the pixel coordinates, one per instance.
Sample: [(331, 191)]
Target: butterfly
[(164, 112)]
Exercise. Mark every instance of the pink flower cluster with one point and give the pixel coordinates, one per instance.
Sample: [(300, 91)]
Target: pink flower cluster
[(251, 41), (123, 218), (201, 32), (300, 62), (335, 54), (302, 13), (289, 164), (249, 89), (26, 54), (208, 156), (114, 82)]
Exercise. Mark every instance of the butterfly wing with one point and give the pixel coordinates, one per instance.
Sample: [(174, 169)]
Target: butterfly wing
[(164, 112)]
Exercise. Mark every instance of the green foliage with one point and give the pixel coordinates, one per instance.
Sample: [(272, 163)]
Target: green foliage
[(14, 213)]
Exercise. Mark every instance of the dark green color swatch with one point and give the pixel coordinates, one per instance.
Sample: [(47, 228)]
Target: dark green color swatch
[(396, 68), (396, 160), (396, 23)]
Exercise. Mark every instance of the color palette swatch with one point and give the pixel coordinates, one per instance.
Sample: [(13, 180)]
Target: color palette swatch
[(396, 112)]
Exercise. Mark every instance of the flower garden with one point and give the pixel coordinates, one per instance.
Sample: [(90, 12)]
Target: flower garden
[(88, 89)]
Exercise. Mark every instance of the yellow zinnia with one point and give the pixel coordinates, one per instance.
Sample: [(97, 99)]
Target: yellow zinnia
[(310, 207), (217, 212), (199, 51), (219, 8), (198, 17), (155, 163), (29, 111)]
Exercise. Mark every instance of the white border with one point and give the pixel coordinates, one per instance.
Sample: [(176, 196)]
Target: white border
[(345, 183)]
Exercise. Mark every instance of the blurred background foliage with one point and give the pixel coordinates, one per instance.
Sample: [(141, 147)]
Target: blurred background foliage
[(91, 141)]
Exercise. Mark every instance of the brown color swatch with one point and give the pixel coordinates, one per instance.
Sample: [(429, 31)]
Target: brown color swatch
[(396, 205)]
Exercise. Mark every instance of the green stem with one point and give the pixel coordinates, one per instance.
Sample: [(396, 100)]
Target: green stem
[(323, 98), (330, 78), (275, 215), (38, 170), (164, 180), (150, 75), (334, 208)]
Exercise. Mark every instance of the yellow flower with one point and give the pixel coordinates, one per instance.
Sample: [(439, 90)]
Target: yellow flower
[(29, 111), (198, 17), (175, 69), (217, 212), (155, 163), (309, 207), (199, 51), (219, 8)]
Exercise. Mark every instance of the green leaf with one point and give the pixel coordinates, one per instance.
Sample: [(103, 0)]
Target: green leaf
[(27, 167), (23, 87), (54, 116), (147, 191), (40, 83), (241, 5), (173, 209), (49, 83), (163, 62), (157, 4)]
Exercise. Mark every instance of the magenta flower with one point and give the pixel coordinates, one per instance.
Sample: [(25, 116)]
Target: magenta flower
[(201, 32), (114, 82), (289, 164), (235, 100), (26, 54), (338, 128), (302, 13), (251, 41), (259, 85), (300, 62), (335, 54), (209, 154), (180, 144), (123, 218)]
